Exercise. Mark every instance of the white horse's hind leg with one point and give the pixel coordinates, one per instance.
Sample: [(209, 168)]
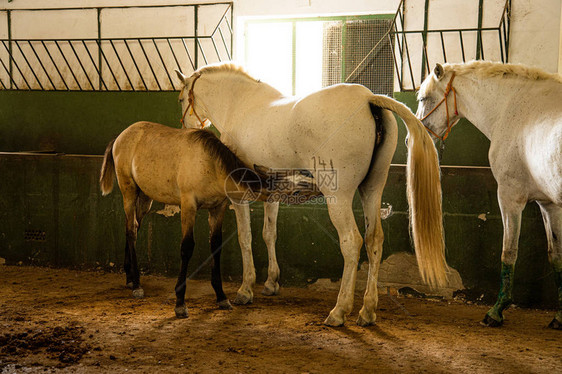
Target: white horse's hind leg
[(245, 294), (350, 240), (270, 211), (511, 205), (552, 216), (374, 238)]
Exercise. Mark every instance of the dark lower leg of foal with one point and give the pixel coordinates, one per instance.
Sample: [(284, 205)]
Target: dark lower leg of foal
[(187, 246), (216, 217)]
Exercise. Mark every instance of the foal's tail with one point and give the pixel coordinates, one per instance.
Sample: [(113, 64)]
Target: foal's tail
[(107, 175), (424, 195)]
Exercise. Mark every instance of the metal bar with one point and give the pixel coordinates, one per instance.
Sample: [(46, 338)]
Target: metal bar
[(122, 66), (41, 63), (174, 54), (220, 21), (462, 46), (30, 67), (82, 66), (10, 72), (482, 50), (424, 53), (501, 44), (398, 75), (3, 85), (216, 49), (188, 54), (196, 33), (136, 66), (108, 66), (17, 66), (479, 34), (95, 67), (12, 82), (409, 63), (150, 65), (224, 43), (231, 52), (67, 64), (443, 48), (127, 7), (424, 37), (100, 62), (163, 64), (55, 65), (202, 51), (507, 37)]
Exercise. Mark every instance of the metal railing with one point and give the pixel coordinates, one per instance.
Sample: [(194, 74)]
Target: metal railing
[(112, 64), (434, 44)]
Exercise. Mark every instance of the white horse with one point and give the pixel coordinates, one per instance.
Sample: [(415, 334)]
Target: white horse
[(520, 110), (344, 126)]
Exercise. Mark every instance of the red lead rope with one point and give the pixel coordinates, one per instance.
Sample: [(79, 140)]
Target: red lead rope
[(448, 89), (191, 104)]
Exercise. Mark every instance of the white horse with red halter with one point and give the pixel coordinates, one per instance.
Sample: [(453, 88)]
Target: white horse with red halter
[(520, 110), (335, 124)]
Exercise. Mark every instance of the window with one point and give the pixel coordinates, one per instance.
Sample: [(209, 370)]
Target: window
[(300, 56)]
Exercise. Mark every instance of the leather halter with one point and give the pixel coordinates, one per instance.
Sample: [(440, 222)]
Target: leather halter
[(448, 90), (191, 105)]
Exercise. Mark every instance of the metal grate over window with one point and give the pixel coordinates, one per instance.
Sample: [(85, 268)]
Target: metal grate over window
[(359, 51)]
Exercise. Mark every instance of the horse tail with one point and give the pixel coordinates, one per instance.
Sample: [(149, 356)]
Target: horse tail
[(107, 175), (424, 195)]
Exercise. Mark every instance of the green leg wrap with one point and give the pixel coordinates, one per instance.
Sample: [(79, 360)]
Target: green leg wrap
[(504, 296)]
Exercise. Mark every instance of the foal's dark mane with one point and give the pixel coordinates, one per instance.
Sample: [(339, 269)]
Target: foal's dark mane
[(229, 162)]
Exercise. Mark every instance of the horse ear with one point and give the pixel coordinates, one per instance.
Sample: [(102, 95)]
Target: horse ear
[(181, 77), (438, 71)]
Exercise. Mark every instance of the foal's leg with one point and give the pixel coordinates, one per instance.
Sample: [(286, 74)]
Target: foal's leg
[(270, 211), (350, 242), (511, 205), (374, 237), (216, 216), (188, 211), (245, 295), (143, 204), (130, 194), (552, 216)]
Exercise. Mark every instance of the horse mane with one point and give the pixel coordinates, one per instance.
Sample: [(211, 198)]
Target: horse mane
[(489, 69), (227, 160), (226, 67)]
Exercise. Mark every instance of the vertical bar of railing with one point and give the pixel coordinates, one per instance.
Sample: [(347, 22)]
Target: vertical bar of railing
[(163, 64), (10, 71), (479, 32), (108, 65), (100, 62), (501, 44), (426, 70), (198, 44), (81, 65), (149, 65), (188, 54), (102, 82), (482, 48), (462, 46), (41, 64), (16, 65), (135, 63), (28, 64), (443, 47), (55, 65), (195, 32), (121, 64), (68, 65)]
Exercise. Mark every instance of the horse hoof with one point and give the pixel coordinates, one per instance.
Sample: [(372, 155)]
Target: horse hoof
[(366, 321), (129, 285), (181, 311), (225, 305), (333, 321), (270, 291), (242, 299), (555, 324), (138, 293), (490, 322)]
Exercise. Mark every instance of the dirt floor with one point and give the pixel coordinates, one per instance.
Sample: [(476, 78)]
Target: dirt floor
[(71, 321)]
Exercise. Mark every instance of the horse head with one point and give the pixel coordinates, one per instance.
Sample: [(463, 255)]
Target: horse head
[(190, 108)]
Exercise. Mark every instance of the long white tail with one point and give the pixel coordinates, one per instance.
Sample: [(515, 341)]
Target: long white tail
[(424, 195)]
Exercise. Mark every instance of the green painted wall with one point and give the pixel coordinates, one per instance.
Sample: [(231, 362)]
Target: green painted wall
[(58, 195)]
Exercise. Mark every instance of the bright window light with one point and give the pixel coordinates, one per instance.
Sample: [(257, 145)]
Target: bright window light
[(308, 64)]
